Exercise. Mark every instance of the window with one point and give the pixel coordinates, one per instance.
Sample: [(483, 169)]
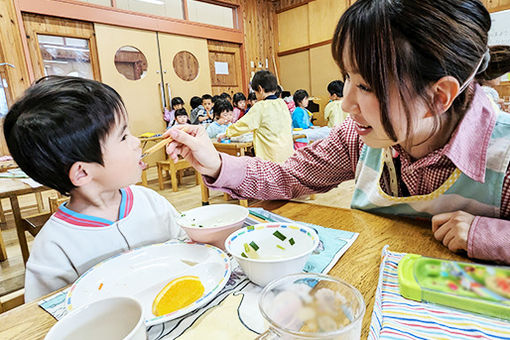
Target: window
[(65, 56), (210, 13), (164, 8)]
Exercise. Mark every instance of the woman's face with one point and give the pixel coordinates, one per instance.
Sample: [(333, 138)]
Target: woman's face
[(363, 107)]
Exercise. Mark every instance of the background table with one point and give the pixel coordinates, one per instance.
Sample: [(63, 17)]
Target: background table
[(12, 188), (358, 266)]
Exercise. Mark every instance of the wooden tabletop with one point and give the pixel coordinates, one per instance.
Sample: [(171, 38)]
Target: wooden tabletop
[(358, 266), (14, 187)]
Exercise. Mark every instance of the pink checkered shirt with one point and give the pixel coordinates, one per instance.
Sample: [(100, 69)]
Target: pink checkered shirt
[(323, 165)]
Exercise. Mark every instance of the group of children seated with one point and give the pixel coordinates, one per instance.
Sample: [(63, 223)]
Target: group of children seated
[(225, 117)]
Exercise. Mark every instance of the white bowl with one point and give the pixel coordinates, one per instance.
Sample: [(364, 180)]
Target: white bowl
[(213, 223), (115, 318), (274, 262)]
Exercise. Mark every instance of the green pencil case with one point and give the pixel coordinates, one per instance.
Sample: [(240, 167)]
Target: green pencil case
[(472, 287)]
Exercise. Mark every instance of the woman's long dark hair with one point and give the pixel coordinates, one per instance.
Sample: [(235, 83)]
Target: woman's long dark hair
[(412, 44)]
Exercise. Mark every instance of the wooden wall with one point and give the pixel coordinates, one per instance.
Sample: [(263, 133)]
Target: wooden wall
[(304, 52), (11, 51), (260, 36)]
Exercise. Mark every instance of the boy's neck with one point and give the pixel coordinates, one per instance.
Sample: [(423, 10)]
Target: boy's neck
[(98, 203)]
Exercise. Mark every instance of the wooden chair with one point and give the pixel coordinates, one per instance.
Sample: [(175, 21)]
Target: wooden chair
[(12, 300), (175, 170), (34, 223)]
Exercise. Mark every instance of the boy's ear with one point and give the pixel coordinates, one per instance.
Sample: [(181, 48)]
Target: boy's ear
[(444, 92), (79, 174)]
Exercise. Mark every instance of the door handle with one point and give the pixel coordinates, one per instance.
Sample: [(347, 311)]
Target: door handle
[(162, 93), (169, 95)]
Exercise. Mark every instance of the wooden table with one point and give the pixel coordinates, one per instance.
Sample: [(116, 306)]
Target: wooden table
[(12, 188), (358, 266), (234, 149)]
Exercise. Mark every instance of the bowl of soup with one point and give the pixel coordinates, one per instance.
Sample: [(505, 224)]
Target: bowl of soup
[(269, 251), (213, 223)]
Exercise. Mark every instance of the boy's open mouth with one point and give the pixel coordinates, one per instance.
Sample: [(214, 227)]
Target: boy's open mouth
[(142, 164)]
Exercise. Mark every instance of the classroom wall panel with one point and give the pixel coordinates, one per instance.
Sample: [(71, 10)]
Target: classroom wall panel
[(323, 70), (295, 71), (323, 17), (293, 29), (260, 36)]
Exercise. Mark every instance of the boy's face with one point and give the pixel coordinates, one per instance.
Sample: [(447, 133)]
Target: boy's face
[(304, 102), (121, 158), (181, 119), (241, 104), (178, 107), (225, 117), (207, 103)]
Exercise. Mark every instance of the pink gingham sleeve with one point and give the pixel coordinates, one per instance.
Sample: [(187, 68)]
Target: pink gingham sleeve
[(489, 238), (318, 167)]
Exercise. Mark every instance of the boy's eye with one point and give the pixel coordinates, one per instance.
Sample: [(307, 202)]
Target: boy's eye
[(124, 138)]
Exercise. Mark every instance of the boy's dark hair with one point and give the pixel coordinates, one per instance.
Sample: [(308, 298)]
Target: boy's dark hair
[(238, 97), (207, 96), (299, 95), (279, 91), (221, 106), (252, 96), (60, 121), (225, 95), (336, 87), (195, 102), (176, 101), (215, 98), (264, 79), (181, 112)]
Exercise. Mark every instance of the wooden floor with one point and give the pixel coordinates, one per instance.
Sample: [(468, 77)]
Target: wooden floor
[(12, 271)]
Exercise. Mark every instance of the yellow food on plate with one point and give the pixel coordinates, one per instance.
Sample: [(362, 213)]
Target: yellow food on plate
[(177, 294)]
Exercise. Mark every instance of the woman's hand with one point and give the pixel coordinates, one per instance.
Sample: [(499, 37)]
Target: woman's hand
[(193, 143), (452, 229)]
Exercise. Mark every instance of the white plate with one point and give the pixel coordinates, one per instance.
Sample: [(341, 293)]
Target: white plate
[(142, 273)]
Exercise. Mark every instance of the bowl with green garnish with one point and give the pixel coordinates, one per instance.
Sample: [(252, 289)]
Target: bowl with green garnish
[(269, 251), (213, 223)]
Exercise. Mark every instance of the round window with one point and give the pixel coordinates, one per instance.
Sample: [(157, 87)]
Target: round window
[(130, 62), (186, 65)]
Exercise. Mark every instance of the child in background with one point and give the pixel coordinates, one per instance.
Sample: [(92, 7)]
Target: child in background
[(197, 114), (215, 98), (250, 101), (169, 116), (226, 96), (71, 134), (279, 92), (333, 112), (301, 117), (181, 117), (222, 118), (500, 65), (207, 102), (239, 106), (268, 119), (423, 140)]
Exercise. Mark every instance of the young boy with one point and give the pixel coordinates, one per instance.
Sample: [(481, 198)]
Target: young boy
[(301, 117), (197, 110), (222, 118), (207, 102), (269, 120), (71, 134), (333, 112)]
